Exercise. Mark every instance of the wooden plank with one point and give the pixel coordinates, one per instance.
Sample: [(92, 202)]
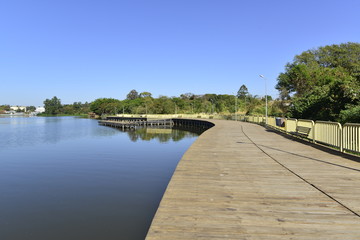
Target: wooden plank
[(240, 181)]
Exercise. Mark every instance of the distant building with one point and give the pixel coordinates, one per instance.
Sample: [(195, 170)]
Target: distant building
[(17, 108), (40, 110)]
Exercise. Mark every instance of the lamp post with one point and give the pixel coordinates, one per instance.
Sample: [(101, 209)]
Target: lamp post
[(235, 107), (266, 103), (212, 106)]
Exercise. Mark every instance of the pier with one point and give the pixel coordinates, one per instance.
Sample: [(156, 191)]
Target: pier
[(243, 181), (131, 122), (120, 122)]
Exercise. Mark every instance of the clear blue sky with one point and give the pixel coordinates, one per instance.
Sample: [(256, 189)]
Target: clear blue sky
[(81, 50)]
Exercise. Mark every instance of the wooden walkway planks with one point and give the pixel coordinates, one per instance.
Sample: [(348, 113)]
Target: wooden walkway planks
[(240, 181)]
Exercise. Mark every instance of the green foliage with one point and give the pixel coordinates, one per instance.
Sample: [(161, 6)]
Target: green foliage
[(133, 94), (4, 108), (105, 106), (145, 95), (186, 103), (351, 114), (52, 106), (323, 82), (189, 96), (77, 108), (31, 108), (243, 92), (144, 104)]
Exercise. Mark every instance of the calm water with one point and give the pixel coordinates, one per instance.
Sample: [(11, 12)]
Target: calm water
[(69, 178)]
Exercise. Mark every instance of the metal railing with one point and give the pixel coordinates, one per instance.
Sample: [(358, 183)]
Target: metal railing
[(329, 133), (344, 138), (272, 121), (351, 137), (290, 124)]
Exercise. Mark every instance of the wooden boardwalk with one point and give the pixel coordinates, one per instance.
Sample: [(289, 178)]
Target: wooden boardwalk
[(241, 181)]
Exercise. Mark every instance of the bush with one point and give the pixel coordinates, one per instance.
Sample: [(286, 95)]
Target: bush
[(351, 114)]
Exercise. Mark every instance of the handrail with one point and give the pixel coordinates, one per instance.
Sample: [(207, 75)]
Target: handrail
[(290, 124), (351, 137), (345, 138), (329, 133)]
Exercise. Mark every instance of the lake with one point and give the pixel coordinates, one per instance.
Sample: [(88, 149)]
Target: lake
[(69, 178)]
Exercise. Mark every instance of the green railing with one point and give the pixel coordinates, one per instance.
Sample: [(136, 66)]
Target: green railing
[(343, 138)]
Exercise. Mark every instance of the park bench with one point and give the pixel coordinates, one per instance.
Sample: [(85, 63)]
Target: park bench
[(302, 131)]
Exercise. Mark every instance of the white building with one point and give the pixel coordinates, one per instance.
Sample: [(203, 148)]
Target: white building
[(40, 110), (16, 108)]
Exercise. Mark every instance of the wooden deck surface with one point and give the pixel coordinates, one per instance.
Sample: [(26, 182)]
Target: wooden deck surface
[(241, 181)]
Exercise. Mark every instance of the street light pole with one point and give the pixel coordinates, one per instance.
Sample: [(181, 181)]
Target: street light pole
[(235, 107), (212, 106), (266, 102)]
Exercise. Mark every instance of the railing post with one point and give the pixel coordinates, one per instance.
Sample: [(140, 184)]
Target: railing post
[(341, 138), (313, 132)]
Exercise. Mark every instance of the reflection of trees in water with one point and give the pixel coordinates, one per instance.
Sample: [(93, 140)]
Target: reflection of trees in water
[(133, 136), (162, 134)]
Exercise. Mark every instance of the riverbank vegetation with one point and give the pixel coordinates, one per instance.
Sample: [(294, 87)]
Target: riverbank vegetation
[(53, 107), (188, 103), (4, 108)]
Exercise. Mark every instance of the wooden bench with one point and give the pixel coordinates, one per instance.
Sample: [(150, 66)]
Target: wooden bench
[(302, 131)]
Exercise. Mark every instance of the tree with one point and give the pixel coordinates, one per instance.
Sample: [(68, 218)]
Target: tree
[(133, 94), (350, 114), (145, 95), (313, 67), (243, 92), (31, 108), (4, 108), (323, 82), (105, 106), (52, 106), (189, 96)]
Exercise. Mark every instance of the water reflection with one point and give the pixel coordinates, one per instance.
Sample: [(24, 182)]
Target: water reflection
[(161, 134), (68, 178), (31, 131)]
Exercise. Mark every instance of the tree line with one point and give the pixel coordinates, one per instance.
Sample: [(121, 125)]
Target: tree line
[(188, 103), (54, 106)]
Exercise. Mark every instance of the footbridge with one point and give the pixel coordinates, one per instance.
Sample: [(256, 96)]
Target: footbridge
[(243, 181)]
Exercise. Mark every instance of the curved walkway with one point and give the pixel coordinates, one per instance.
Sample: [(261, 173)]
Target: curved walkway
[(242, 181)]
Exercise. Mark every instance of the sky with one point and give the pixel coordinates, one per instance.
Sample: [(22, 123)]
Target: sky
[(81, 50)]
